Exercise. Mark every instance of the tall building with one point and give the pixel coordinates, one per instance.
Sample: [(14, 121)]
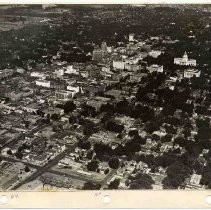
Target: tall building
[(97, 55), (131, 37), (185, 61), (104, 47)]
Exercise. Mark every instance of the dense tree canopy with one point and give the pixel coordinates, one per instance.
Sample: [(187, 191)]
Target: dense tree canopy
[(141, 181)]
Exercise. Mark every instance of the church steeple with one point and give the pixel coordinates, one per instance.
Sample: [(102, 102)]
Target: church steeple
[(185, 56)]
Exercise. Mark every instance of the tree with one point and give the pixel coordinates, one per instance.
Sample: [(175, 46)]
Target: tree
[(141, 93), (181, 141), (88, 131), (103, 151), (177, 172), (72, 119), (204, 132), (155, 137), (166, 159), (55, 117), (39, 112), (92, 165), (168, 110), (84, 144), (91, 186), (9, 152), (152, 126), (113, 163), (111, 125), (122, 107), (114, 184), (88, 111), (27, 169), (145, 113), (106, 171), (166, 138), (69, 107), (107, 108), (25, 146), (132, 146), (19, 155), (44, 121), (119, 150), (141, 181), (148, 159), (133, 133), (89, 154)]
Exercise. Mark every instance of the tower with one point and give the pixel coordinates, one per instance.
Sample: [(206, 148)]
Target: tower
[(185, 56), (104, 47), (131, 37)]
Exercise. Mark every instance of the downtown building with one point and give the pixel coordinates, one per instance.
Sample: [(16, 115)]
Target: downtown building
[(97, 55), (185, 61), (189, 73), (6, 73)]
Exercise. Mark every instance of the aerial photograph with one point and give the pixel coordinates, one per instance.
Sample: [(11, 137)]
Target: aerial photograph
[(105, 97)]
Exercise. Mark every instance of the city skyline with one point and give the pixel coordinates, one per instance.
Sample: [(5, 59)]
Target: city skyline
[(105, 97)]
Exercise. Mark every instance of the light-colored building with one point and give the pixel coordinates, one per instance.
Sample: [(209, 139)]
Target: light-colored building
[(185, 61), (195, 179), (64, 95), (131, 37), (106, 72), (155, 38), (155, 68), (188, 73), (119, 65), (110, 49), (68, 162), (71, 70), (38, 75), (106, 69), (59, 72), (132, 60), (132, 67), (84, 74), (20, 70), (5, 73), (43, 83), (73, 88), (155, 53), (194, 182), (33, 107)]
